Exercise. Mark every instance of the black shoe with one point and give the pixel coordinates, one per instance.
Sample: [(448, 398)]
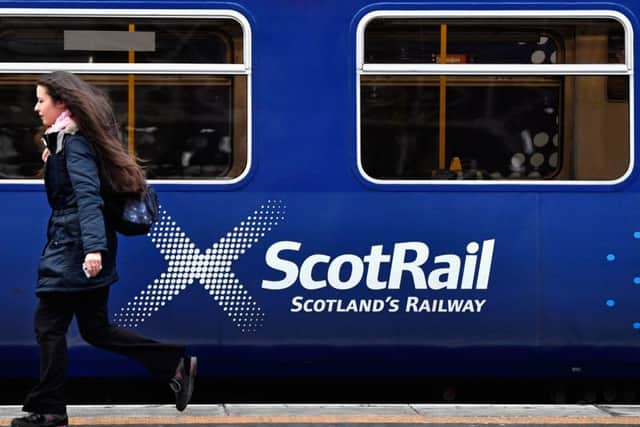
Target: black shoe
[(182, 383), (41, 420)]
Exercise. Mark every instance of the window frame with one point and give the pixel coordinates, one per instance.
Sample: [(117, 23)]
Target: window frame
[(243, 68), (437, 69)]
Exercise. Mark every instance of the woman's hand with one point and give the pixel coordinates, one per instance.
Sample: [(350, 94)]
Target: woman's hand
[(45, 155), (93, 263)]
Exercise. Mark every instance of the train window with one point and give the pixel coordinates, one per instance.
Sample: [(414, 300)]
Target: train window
[(109, 40), (490, 41), (179, 86), (510, 99)]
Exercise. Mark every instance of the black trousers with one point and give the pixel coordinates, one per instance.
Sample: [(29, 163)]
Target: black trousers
[(52, 318)]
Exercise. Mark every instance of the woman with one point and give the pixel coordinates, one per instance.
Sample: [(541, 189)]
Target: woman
[(85, 159)]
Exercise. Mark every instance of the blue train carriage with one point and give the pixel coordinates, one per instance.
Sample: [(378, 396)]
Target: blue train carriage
[(349, 188)]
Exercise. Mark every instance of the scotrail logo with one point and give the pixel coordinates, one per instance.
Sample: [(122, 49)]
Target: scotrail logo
[(406, 257), (212, 269), (380, 271)]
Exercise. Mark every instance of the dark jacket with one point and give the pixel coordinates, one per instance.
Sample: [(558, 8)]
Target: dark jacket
[(77, 225)]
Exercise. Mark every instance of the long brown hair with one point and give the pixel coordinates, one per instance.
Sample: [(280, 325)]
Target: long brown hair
[(92, 111)]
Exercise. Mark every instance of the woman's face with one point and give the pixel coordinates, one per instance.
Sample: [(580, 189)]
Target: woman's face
[(46, 107)]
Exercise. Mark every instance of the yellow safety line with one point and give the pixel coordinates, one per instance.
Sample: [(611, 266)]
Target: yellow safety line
[(443, 99), (131, 101), (349, 419)]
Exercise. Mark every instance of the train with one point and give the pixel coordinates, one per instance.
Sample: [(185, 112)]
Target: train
[(395, 189)]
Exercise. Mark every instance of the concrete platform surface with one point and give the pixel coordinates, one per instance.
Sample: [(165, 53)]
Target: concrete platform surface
[(449, 415)]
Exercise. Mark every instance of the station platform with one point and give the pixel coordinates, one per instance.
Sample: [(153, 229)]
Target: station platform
[(450, 415)]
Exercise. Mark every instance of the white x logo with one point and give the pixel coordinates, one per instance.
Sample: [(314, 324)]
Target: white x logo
[(212, 269)]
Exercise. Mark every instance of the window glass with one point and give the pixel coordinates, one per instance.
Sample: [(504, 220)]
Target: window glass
[(181, 127), (109, 40), (512, 121), (493, 127), (181, 124), (20, 145), (495, 41)]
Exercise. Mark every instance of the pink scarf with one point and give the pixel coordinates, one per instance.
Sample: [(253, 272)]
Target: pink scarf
[(63, 122)]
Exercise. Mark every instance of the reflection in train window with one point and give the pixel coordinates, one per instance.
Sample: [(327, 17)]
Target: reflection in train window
[(184, 116), (105, 40), (19, 140), (508, 127), (491, 41), (420, 124), (184, 126)]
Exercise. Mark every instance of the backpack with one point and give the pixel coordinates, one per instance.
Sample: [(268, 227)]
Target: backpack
[(132, 215)]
